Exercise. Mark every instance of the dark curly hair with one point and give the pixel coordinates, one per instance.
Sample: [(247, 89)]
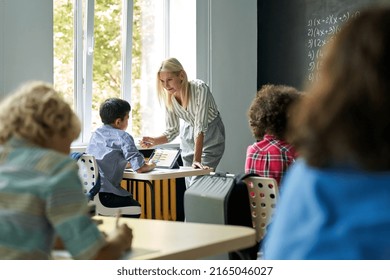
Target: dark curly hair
[(345, 118), (268, 113)]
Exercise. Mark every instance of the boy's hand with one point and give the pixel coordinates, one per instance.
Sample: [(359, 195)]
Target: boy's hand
[(122, 235), (146, 167), (151, 165)]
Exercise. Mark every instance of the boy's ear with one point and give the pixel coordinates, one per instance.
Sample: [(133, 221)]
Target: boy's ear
[(117, 122)]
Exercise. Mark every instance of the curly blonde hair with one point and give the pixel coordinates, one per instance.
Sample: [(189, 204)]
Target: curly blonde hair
[(35, 112)]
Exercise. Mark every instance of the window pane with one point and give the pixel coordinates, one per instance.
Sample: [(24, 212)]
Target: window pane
[(63, 25), (183, 34), (151, 45), (107, 54), (148, 51)]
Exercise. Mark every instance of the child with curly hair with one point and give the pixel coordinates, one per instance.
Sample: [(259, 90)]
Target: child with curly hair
[(270, 155)]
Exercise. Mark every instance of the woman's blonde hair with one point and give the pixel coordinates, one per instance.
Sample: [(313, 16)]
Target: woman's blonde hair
[(36, 112), (173, 66)]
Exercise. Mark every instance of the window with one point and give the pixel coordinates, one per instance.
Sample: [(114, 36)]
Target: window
[(113, 48), (63, 48)]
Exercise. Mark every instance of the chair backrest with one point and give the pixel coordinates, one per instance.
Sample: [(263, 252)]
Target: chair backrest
[(89, 175), (263, 195)]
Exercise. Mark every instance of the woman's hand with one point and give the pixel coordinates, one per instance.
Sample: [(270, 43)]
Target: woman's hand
[(147, 142), (198, 165)]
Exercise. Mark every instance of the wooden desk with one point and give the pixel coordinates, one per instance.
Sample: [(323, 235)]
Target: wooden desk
[(161, 174), (157, 239)]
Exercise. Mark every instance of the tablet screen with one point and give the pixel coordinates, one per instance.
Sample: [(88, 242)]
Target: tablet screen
[(165, 158)]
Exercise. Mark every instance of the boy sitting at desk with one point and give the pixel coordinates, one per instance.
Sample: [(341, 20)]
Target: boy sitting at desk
[(115, 150)]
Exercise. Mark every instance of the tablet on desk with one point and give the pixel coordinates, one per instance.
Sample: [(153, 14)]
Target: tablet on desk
[(165, 158)]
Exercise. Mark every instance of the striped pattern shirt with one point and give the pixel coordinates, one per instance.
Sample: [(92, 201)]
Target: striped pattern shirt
[(270, 157), (201, 111), (41, 196)]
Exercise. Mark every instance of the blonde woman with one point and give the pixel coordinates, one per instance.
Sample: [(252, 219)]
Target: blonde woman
[(41, 195), (202, 133)]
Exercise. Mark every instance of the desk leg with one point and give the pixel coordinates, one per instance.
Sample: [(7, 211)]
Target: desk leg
[(165, 199), (157, 200), (172, 188), (151, 187)]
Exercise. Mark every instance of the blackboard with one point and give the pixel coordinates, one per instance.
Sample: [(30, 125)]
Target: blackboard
[(291, 34)]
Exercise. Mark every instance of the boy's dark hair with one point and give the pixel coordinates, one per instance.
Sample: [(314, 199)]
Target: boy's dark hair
[(112, 109)]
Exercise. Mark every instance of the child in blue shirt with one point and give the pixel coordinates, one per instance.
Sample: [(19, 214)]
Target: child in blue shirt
[(115, 150)]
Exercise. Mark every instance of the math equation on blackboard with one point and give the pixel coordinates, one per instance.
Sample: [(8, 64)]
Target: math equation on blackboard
[(320, 31)]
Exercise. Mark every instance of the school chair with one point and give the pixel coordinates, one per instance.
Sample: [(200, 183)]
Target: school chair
[(89, 175), (242, 199), (263, 194)]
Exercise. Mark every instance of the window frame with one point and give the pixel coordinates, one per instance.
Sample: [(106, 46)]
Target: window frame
[(83, 58)]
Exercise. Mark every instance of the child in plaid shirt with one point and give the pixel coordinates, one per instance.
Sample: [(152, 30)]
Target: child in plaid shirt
[(270, 155)]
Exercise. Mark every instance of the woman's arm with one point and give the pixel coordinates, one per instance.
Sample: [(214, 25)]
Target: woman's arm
[(198, 149), (200, 97), (148, 142)]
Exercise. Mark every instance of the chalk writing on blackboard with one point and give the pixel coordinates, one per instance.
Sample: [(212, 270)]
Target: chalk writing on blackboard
[(321, 31)]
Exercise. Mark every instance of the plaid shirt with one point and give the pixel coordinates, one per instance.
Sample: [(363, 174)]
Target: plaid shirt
[(269, 157)]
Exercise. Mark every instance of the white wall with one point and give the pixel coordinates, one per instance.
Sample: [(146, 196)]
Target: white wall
[(26, 42), (230, 45)]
